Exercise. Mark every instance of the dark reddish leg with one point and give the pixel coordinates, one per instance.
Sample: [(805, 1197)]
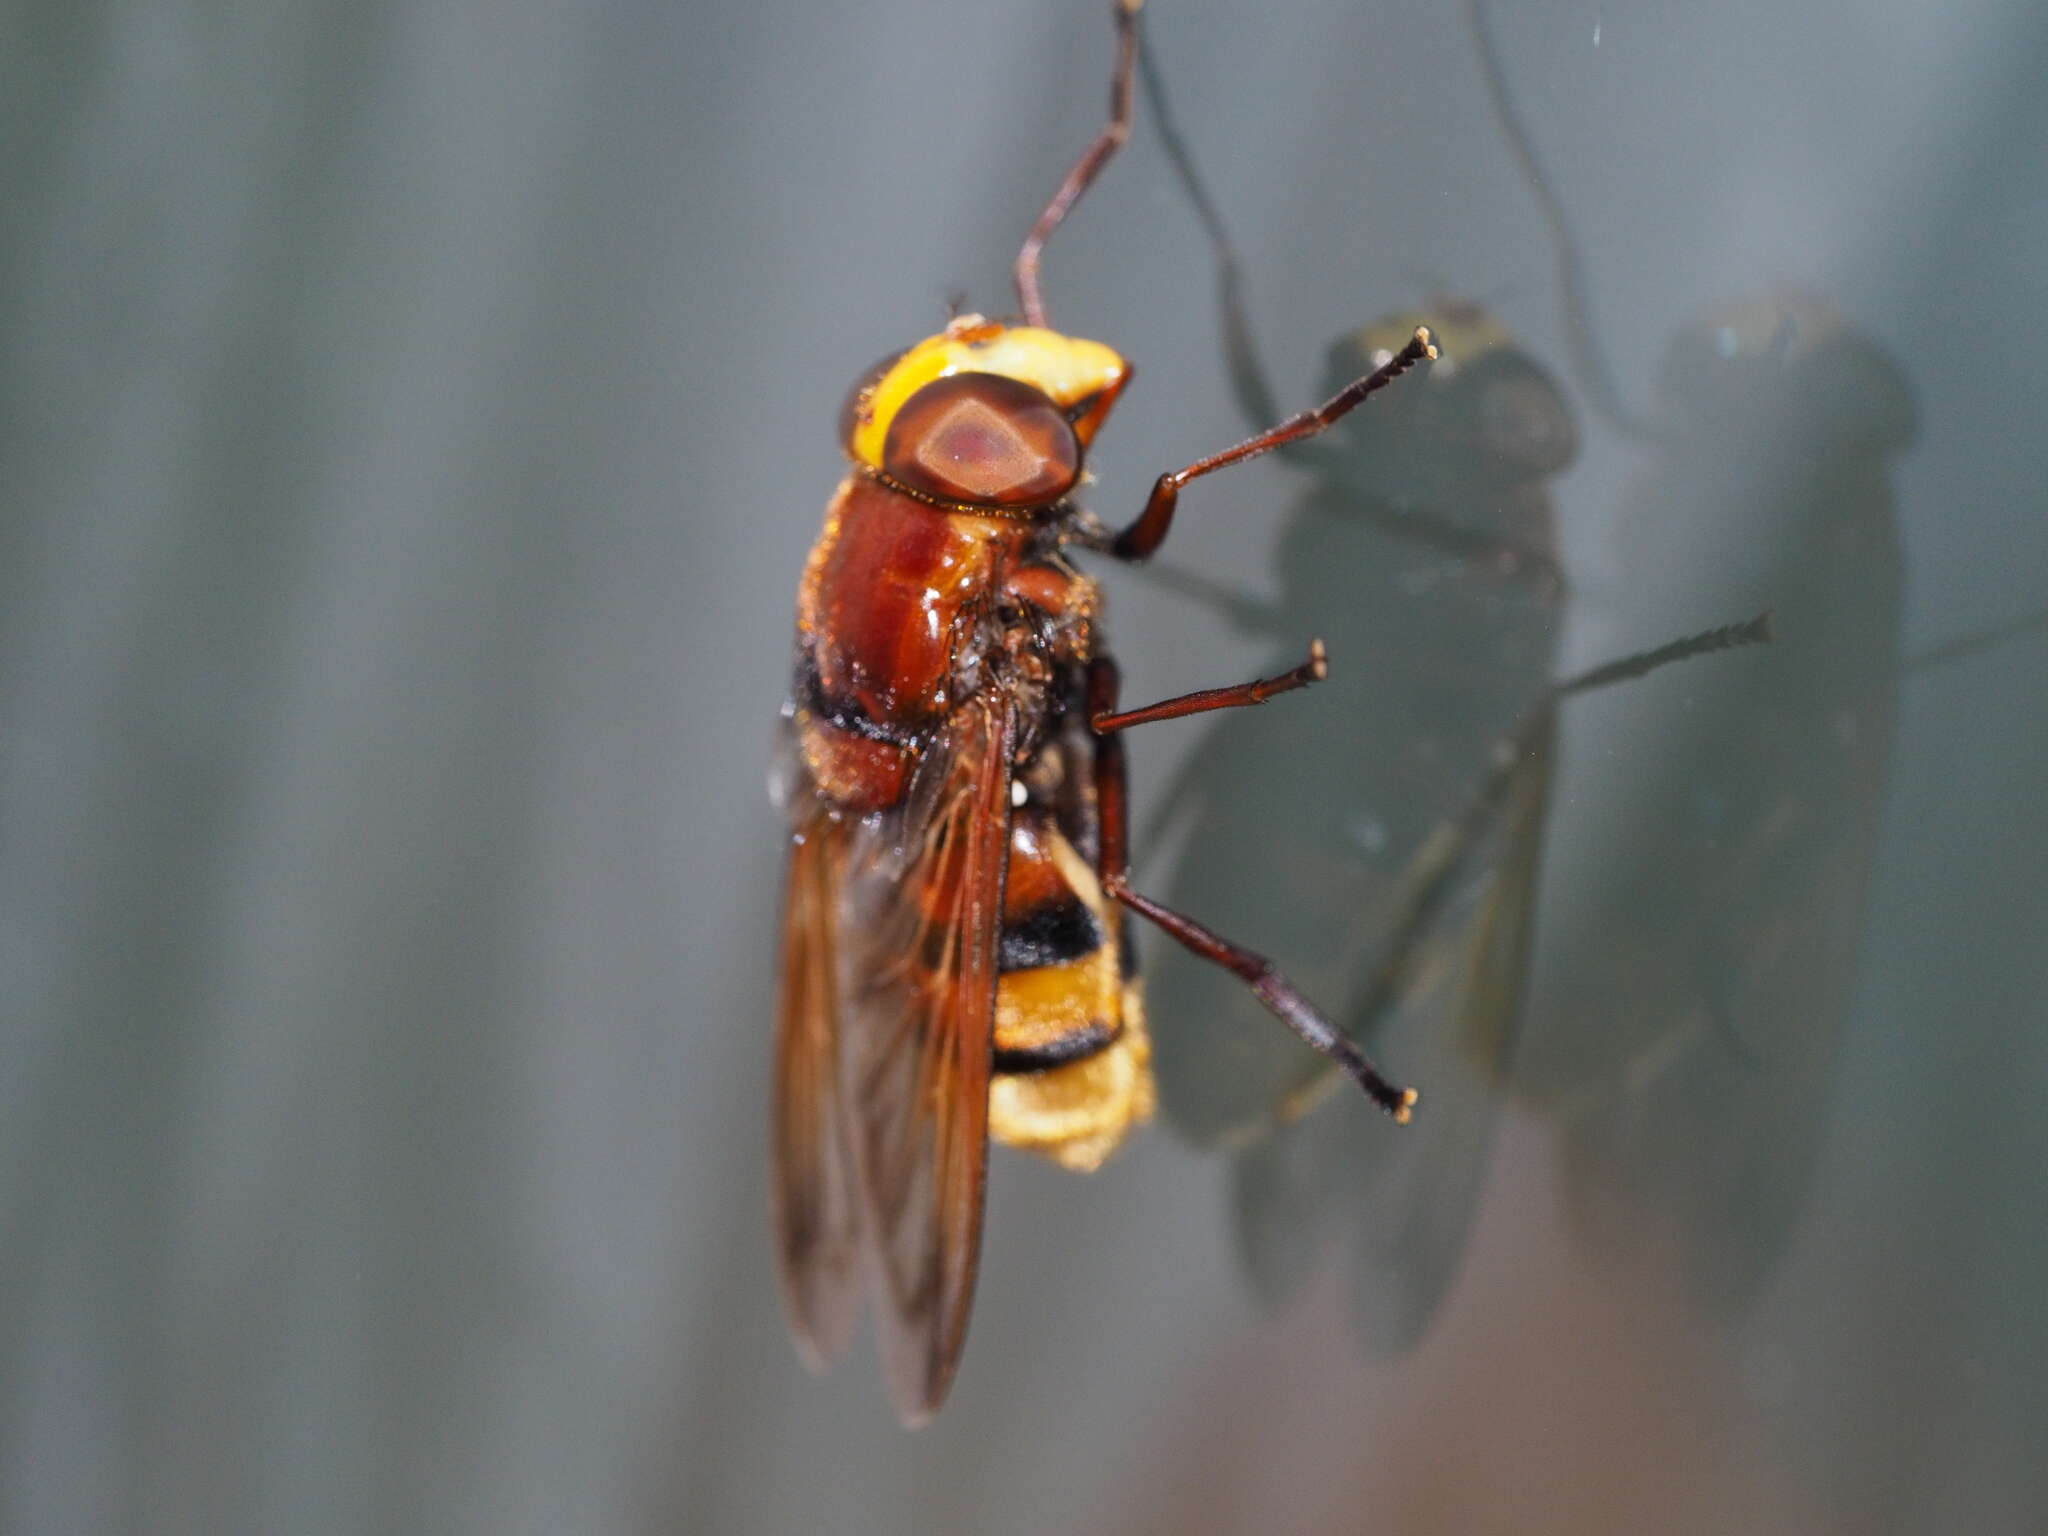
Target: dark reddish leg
[(1314, 670), (1257, 972), (1088, 167), (1145, 535)]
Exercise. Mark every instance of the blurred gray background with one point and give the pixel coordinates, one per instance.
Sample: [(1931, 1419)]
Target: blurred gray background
[(413, 418)]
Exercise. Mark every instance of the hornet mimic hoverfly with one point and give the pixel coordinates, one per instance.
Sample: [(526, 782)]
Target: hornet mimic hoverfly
[(954, 962)]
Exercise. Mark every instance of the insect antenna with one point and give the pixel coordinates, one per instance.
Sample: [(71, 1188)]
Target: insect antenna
[(1088, 167)]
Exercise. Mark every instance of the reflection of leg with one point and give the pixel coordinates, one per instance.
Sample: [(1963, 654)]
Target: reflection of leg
[(1256, 397), (1975, 644), (1279, 995), (1254, 391), (1580, 336), (1756, 631)]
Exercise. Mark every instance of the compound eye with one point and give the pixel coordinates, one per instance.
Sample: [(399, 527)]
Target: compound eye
[(983, 439)]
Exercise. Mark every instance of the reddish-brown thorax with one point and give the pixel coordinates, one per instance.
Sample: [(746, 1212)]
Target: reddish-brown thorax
[(889, 589), (896, 591)]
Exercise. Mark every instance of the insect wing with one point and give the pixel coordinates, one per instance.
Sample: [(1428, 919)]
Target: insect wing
[(921, 916), (1718, 1029), (817, 1211)]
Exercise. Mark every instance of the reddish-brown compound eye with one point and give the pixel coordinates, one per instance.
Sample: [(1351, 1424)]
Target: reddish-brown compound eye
[(983, 439)]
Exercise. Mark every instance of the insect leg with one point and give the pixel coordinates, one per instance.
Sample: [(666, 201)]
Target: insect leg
[(1280, 995), (1088, 167), (1314, 670), (1145, 535)]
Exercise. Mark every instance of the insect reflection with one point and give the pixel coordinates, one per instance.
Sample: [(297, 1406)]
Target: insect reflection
[(1702, 969), (1702, 961), (1426, 544), (1410, 887)]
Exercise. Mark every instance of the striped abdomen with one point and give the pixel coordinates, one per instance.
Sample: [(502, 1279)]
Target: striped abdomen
[(1072, 1067)]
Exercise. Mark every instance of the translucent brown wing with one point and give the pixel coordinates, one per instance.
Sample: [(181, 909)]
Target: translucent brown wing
[(922, 911), (817, 1211)]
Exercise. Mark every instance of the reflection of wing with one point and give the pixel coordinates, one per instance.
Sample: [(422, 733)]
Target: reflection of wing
[(1425, 1196), (1715, 1118), (1498, 973), (922, 912), (1222, 1065), (1395, 871), (1428, 966), (817, 1219), (1446, 994)]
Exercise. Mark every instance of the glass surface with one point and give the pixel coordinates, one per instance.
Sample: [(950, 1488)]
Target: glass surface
[(413, 420)]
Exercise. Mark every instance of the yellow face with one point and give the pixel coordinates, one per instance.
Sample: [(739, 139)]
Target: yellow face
[(1081, 377)]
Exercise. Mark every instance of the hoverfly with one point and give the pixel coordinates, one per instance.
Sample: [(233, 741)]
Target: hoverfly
[(955, 964)]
